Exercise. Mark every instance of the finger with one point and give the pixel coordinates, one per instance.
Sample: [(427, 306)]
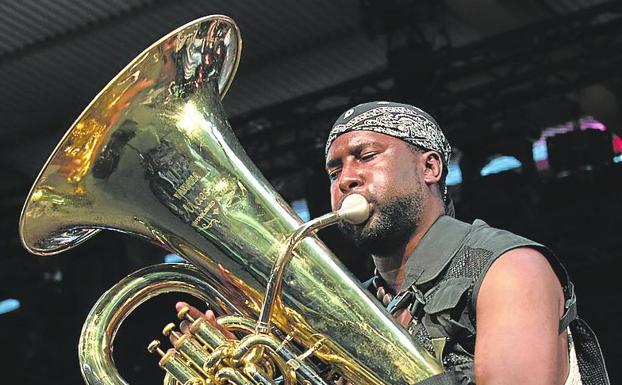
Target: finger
[(211, 317), (194, 312), (184, 326), (172, 338), (180, 305)]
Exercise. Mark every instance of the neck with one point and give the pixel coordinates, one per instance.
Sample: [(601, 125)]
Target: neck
[(391, 271), (391, 266)]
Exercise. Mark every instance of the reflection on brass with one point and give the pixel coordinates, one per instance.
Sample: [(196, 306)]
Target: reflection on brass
[(153, 156), (81, 145)]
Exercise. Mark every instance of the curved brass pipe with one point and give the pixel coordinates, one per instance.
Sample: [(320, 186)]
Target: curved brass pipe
[(103, 322), (354, 209), (232, 375)]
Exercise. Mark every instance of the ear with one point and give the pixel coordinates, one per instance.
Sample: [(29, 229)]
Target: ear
[(433, 167)]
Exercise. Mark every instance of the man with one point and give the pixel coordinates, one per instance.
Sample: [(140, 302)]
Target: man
[(493, 307)]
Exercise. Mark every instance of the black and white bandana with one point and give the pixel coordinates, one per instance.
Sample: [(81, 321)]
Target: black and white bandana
[(401, 121)]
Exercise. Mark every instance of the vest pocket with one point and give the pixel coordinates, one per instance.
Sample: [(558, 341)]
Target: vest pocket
[(444, 311), (447, 295)]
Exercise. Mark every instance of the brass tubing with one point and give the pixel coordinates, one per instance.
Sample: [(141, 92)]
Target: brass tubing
[(257, 375), (281, 354), (175, 365), (246, 325), (192, 350), (217, 355), (252, 341), (169, 380), (207, 333), (103, 321), (233, 322), (273, 287), (354, 209), (233, 376)]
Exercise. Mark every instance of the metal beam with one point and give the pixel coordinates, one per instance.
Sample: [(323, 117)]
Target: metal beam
[(515, 69)]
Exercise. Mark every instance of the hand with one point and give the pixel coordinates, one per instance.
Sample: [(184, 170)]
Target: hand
[(209, 316), (342, 381)]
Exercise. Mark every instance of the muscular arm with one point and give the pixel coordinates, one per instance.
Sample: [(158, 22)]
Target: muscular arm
[(518, 309)]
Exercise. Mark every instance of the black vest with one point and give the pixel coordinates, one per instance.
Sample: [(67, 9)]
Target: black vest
[(442, 280)]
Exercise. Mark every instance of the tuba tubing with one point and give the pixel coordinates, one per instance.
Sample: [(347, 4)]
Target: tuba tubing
[(115, 305)]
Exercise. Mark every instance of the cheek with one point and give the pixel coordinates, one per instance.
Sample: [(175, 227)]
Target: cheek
[(381, 181), (395, 183), (335, 194)]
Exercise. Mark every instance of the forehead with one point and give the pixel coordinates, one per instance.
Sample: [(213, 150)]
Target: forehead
[(358, 139)]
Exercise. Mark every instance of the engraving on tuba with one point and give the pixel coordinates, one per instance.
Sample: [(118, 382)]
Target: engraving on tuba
[(154, 156)]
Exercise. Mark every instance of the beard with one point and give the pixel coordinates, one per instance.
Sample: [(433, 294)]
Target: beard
[(389, 227)]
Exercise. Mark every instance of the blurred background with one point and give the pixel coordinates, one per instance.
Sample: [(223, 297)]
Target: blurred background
[(529, 93)]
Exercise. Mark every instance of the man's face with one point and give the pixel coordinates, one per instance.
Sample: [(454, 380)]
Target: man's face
[(389, 174)]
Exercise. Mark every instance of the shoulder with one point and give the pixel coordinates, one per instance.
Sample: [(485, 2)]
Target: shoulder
[(518, 311), (514, 258), (485, 236), (521, 267), (520, 291)]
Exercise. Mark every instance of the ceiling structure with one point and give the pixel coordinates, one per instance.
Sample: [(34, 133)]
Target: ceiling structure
[(488, 69)]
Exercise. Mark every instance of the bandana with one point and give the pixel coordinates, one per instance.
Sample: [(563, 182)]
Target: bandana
[(401, 121)]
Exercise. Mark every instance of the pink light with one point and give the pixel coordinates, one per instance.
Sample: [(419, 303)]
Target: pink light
[(540, 154), (591, 123), (542, 165)]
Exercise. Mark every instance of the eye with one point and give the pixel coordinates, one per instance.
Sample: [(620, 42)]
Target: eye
[(333, 174), (368, 155)]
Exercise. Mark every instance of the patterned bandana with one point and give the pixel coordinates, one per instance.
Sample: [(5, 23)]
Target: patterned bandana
[(401, 121)]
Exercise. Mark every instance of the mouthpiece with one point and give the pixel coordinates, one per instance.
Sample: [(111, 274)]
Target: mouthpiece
[(354, 209)]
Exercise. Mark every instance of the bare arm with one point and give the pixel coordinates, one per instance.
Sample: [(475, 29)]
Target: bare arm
[(518, 309)]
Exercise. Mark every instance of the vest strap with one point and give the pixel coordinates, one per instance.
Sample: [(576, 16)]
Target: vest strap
[(570, 307), (452, 377)]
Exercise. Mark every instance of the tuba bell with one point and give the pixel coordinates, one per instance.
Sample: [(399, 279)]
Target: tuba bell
[(154, 156)]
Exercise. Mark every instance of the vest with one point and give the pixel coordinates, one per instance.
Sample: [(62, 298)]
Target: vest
[(442, 280)]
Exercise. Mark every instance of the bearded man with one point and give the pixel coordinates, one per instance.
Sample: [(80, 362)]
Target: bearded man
[(493, 307)]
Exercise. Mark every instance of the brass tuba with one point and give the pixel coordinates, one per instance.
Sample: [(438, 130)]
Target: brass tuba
[(153, 156)]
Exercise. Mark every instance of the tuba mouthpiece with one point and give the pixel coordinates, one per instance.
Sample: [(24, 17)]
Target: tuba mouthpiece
[(354, 209)]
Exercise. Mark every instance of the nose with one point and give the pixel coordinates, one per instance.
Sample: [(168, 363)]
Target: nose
[(349, 179)]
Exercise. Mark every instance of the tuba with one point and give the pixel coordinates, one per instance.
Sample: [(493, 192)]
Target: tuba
[(154, 156)]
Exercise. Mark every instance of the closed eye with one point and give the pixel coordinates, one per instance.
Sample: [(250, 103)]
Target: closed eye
[(368, 155), (333, 174)]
